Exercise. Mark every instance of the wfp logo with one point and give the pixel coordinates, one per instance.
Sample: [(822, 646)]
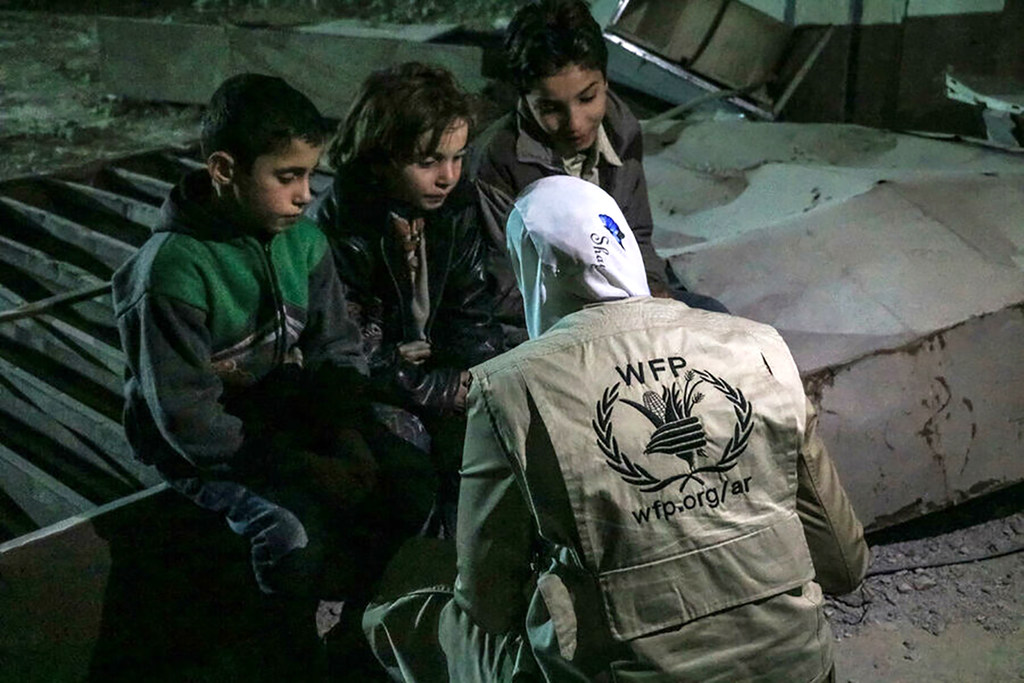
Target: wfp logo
[(678, 449)]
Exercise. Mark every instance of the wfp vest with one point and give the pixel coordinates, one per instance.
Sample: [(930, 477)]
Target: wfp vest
[(677, 439)]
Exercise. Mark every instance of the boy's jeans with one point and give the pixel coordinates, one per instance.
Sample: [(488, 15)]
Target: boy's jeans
[(301, 547)]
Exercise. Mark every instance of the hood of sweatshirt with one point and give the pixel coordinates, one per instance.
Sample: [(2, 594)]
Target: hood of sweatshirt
[(190, 210), (570, 246)]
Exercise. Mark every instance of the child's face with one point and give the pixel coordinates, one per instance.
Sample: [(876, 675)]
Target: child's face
[(274, 192), (426, 182), (570, 106)]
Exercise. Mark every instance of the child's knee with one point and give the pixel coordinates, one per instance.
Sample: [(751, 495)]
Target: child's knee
[(281, 556)]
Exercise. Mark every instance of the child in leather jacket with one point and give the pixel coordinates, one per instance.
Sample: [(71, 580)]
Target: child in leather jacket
[(402, 222)]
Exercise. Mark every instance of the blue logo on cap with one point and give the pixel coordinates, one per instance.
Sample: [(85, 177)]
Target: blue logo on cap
[(611, 226)]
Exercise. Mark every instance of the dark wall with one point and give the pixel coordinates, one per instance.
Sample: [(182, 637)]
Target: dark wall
[(893, 76)]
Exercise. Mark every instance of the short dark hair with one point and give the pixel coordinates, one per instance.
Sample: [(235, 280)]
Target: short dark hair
[(393, 108), (546, 36), (253, 114)]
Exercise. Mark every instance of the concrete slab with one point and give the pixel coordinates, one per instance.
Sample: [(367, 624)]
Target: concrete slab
[(153, 60), (353, 28), (149, 60), (894, 267)]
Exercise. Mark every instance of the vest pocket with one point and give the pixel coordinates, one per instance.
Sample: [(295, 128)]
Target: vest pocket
[(669, 593)]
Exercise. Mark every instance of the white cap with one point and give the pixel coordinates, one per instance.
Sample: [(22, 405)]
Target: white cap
[(570, 246)]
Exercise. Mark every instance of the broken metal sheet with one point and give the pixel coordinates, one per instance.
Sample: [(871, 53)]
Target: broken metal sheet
[(816, 12), (1001, 111), (930, 424), (877, 271), (1010, 102), (717, 180), (642, 70), (894, 268), (800, 12)]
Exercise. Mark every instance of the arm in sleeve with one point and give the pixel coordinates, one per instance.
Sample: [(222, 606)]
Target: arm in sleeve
[(464, 332), (331, 337), (833, 532), (466, 310), (335, 367), (167, 345), (495, 203), (495, 528)]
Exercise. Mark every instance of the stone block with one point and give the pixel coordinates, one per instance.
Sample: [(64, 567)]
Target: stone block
[(894, 268), (152, 60)]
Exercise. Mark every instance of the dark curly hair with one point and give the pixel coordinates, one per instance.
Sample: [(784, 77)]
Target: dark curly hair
[(394, 107), (252, 114), (546, 36)]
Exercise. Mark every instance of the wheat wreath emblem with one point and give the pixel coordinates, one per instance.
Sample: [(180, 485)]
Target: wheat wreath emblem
[(678, 432)]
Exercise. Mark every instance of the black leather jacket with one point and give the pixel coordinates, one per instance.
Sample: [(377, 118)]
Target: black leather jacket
[(369, 260)]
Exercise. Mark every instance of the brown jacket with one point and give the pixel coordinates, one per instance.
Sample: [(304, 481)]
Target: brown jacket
[(511, 154)]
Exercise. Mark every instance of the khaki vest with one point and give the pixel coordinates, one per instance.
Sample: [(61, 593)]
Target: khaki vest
[(676, 435)]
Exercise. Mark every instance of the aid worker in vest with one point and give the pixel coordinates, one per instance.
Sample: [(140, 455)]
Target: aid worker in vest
[(644, 496)]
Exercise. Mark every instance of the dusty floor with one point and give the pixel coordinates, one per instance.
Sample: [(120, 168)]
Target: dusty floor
[(962, 623), (959, 623)]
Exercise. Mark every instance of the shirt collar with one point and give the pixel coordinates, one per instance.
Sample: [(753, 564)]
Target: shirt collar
[(530, 148)]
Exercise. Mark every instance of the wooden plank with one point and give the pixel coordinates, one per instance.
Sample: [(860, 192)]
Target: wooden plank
[(22, 344), (353, 28), (132, 210), (55, 276), (109, 251), (39, 495), (36, 308), (48, 270), (68, 336), (154, 189), (50, 446), (97, 428)]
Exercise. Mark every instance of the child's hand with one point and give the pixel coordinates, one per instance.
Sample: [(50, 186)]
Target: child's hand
[(415, 352), (465, 381)]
